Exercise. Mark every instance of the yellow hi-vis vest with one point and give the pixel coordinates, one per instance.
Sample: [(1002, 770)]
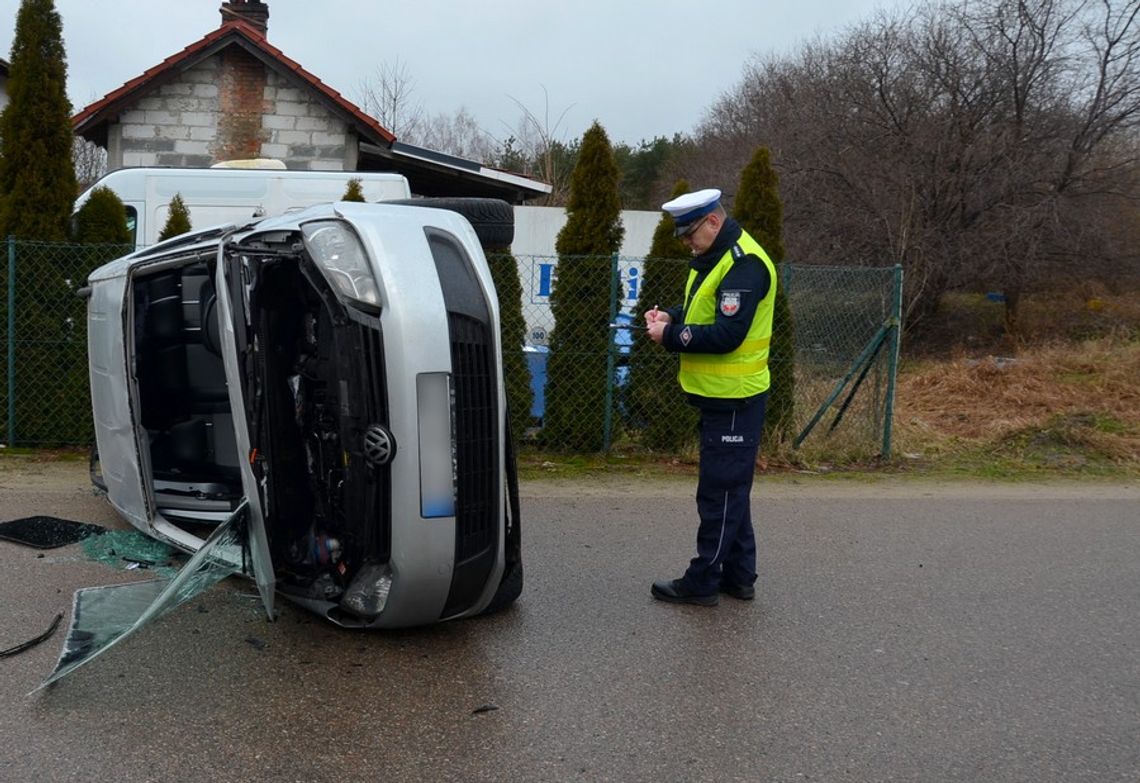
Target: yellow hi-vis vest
[(742, 372)]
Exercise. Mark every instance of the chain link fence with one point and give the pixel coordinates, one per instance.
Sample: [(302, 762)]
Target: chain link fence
[(847, 326), (614, 387), (845, 322), (44, 399)]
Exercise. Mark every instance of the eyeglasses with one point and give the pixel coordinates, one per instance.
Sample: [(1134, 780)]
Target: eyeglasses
[(692, 229)]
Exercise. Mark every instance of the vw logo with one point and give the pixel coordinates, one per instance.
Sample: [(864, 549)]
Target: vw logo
[(379, 446)]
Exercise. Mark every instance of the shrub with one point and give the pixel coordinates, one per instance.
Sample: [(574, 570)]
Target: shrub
[(653, 387), (178, 219), (37, 175), (583, 301), (512, 330), (760, 212), (354, 192)]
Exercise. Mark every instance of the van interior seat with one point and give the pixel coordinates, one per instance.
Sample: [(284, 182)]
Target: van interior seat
[(208, 317), (207, 373), (182, 378)]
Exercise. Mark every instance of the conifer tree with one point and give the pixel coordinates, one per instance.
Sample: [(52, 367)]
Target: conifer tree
[(37, 192), (512, 331), (102, 220), (656, 403), (178, 219), (37, 175), (354, 191), (101, 226), (581, 302), (759, 210), (60, 401)]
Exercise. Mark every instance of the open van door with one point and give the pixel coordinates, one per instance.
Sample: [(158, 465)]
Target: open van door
[(232, 293)]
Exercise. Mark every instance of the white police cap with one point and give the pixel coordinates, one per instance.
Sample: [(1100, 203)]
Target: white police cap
[(691, 207)]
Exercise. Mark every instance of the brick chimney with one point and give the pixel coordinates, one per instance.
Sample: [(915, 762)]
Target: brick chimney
[(252, 12)]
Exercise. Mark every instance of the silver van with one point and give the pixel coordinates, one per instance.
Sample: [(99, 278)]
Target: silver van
[(332, 376)]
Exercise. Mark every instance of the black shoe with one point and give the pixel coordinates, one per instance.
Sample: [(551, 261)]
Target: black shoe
[(739, 592), (674, 592)]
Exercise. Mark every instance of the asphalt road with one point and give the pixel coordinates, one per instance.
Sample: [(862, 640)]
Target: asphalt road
[(910, 633)]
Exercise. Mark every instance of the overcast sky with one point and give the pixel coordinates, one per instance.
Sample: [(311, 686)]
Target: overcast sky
[(642, 69)]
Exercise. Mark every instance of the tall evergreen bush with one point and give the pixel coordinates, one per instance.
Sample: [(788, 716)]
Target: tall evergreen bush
[(354, 191), (37, 175), (102, 220), (177, 219), (101, 227), (60, 403), (512, 331), (654, 394), (759, 210), (583, 301), (37, 192)]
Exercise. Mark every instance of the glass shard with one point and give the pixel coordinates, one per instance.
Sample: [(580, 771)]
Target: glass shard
[(104, 616)]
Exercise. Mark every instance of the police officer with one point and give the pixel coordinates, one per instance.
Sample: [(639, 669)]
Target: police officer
[(722, 332)]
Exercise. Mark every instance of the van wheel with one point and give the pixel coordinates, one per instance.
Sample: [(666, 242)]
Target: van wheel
[(493, 219)]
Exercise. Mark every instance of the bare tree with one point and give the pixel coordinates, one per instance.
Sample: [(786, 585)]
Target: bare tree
[(971, 143), (458, 134), (389, 96), (532, 146), (540, 143)]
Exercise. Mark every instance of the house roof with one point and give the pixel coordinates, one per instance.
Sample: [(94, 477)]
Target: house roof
[(433, 173), (91, 123), (429, 173)]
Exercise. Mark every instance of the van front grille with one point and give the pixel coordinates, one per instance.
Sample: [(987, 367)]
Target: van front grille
[(475, 378), (376, 481), (476, 436)]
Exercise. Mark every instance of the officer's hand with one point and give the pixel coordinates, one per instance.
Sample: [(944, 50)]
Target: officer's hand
[(656, 328)]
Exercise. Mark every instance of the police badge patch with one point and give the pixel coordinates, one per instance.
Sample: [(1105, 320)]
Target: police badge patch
[(686, 336), (729, 303)]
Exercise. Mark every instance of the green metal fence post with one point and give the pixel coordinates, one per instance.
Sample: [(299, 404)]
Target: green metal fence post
[(893, 361), (862, 361), (11, 341), (608, 426)]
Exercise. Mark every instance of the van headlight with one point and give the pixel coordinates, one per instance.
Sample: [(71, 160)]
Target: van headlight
[(367, 594), (340, 256)]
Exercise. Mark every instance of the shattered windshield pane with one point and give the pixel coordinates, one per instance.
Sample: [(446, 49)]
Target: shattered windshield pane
[(104, 616)]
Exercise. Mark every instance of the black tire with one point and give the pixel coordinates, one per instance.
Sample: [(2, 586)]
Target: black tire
[(493, 219), (510, 588), (511, 585)]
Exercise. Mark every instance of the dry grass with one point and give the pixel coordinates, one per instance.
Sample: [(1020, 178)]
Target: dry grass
[(1063, 394), (1065, 404)]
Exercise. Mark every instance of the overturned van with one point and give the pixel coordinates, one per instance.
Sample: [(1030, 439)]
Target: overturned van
[(334, 376)]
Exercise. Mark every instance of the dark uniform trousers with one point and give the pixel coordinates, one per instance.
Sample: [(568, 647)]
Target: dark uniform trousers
[(726, 543)]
